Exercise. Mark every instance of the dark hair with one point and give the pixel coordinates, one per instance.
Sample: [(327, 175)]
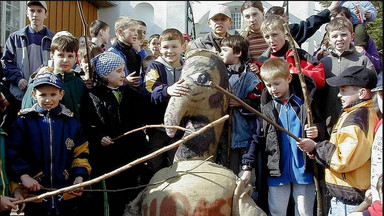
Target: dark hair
[(238, 44), (153, 36), (340, 10), (65, 43), (94, 50), (275, 10), (146, 61), (96, 26), (249, 4), (142, 23)]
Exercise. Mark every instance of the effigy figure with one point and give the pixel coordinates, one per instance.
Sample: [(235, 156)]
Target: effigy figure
[(194, 185)]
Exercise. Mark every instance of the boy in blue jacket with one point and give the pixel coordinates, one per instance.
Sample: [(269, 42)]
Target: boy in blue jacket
[(46, 149), (288, 168)]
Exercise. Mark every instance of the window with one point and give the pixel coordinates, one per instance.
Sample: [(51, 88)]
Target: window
[(236, 18), (12, 18)]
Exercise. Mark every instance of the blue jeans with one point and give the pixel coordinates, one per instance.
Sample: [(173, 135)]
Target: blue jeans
[(304, 196), (338, 208)]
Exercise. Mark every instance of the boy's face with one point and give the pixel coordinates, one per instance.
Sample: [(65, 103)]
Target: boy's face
[(36, 15), (129, 35), (253, 18), (348, 95), (275, 39), (278, 87), (219, 24), (63, 61), (105, 35), (228, 56), (171, 51), (116, 77), (142, 30), (340, 40), (47, 96), (154, 46)]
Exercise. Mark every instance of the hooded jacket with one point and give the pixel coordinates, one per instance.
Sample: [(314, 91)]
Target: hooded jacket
[(334, 65)]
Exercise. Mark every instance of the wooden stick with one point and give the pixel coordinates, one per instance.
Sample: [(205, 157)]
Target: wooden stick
[(127, 166), (309, 114), (246, 106), (85, 30), (150, 126), (301, 75)]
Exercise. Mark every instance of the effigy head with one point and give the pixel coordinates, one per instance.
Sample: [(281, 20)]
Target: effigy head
[(201, 106)]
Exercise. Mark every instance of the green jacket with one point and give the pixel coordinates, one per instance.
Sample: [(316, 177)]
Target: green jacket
[(73, 86)]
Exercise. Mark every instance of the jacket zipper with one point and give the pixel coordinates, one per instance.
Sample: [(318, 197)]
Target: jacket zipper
[(290, 152), (51, 155)]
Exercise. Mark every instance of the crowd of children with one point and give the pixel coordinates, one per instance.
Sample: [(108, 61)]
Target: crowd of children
[(63, 110)]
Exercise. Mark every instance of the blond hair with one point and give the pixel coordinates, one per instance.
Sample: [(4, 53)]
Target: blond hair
[(274, 68), (338, 23), (271, 23), (171, 34), (124, 22)]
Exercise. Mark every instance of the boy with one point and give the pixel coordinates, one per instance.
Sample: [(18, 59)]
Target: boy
[(219, 20), (99, 32), (94, 50), (126, 33), (56, 158), (345, 156), (35, 40), (341, 56), (245, 85), (287, 167), (162, 81), (63, 53), (274, 35)]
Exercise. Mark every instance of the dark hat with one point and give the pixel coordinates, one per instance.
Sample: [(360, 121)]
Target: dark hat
[(47, 78), (379, 86), (41, 3), (355, 76)]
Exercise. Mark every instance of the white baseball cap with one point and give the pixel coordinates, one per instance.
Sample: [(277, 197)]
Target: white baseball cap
[(41, 3), (220, 9)]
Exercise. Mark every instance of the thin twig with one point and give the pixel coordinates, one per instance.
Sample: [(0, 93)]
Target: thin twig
[(127, 166), (151, 126)]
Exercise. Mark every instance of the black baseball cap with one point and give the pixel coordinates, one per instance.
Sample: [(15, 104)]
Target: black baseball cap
[(355, 76)]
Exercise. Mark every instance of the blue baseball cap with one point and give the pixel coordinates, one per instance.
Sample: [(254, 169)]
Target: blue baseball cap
[(47, 78)]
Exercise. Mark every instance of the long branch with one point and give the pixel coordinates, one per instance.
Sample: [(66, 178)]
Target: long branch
[(125, 167), (251, 109)]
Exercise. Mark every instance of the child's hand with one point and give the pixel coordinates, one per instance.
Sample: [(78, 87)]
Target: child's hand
[(254, 68), (178, 89), (78, 191), (133, 80), (245, 176), (233, 103), (311, 132), (30, 183), (23, 84), (306, 145), (106, 141), (17, 194), (6, 203)]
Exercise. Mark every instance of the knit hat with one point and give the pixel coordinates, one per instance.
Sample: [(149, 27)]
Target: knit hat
[(106, 62), (47, 78)]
